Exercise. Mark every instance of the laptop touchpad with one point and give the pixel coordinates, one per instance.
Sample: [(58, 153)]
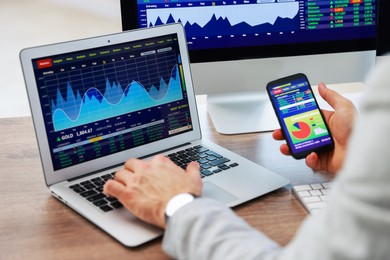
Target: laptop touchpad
[(214, 192)]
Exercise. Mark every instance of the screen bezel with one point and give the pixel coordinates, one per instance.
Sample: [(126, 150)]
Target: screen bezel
[(129, 17)]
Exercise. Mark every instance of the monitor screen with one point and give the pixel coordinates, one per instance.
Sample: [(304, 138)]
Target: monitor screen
[(383, 28), (240, 29)]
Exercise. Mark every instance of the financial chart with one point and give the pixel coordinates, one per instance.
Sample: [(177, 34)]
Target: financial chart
[(237, 23), (228, 19), (95, 101), (306, 126)]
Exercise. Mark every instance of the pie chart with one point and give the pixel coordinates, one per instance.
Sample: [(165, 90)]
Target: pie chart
[(301, 130)]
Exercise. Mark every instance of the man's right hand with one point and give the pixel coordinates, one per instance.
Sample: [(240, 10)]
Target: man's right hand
[(340, 123)]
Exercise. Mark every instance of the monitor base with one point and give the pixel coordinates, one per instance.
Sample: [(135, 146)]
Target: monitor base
[(238, 113)]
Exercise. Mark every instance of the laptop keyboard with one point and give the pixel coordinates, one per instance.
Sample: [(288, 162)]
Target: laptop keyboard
[(210, 163), (92, 191)]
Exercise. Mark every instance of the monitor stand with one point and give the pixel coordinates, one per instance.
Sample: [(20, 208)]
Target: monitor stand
[(250, 112), (244, 112)]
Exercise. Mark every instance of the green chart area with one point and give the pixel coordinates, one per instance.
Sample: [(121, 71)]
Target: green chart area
[(305, 126)]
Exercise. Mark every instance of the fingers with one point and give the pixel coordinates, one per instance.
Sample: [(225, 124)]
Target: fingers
[(123, 176), (193, 169), (140, 166), (114, 188), (334, 99), (278, 135), (313, 161), (285, 150), (193, 166), (133, 165)]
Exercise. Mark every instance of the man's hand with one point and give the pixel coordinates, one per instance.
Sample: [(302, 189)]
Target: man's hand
[(145, 187), (340, 124)]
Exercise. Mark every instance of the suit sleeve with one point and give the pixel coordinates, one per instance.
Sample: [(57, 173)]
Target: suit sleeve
[(206, 229)]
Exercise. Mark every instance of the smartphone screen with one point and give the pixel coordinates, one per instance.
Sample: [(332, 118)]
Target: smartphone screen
[(299, 116)]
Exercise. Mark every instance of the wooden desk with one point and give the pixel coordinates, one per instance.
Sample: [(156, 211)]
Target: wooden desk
[(35, 225)]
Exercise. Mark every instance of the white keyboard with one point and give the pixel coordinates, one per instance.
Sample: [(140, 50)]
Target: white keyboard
[(313, 197)]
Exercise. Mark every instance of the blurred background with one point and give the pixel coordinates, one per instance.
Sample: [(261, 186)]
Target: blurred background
[(27, 23)]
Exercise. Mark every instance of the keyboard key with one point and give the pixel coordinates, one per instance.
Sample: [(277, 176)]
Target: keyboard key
[(302, 187), (315, 192), (75, 186), (206, 172), (106, 208), (219, 161), (100, 203), (223, 167), (211, 158), (316, 186), (96, 197), (325, 191), (205, 166), (85, 183), (313, 197), (107, 176), (233, 165), (304, 193), (88, 193), (316, 205), (214, 154), (116, 204), (202, 161), (201, 149), (111, 199), (203, 155), (79, 190)]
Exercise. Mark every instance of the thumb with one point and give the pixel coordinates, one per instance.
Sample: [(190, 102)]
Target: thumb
[(193, 168), (334, 99)]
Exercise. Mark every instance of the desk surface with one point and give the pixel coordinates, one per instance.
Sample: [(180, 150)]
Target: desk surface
[(35, 225)]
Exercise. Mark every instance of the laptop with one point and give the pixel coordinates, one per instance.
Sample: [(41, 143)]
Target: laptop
[(97, 102)]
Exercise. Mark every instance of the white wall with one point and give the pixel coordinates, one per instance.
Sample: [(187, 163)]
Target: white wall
[(26, 23)]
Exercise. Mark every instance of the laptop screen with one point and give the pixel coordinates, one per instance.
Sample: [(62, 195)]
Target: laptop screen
[(101, 101)]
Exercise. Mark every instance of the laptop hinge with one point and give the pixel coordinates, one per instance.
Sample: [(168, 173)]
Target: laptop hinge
[(115, 166)]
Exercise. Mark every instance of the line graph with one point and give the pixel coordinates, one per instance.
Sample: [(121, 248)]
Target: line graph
[(229, 19), (96, 93)]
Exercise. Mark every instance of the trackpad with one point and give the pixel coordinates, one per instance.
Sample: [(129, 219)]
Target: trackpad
[(214, 192)]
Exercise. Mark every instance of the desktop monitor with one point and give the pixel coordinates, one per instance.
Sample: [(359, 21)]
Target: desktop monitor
[(383, 29), (237, 46)]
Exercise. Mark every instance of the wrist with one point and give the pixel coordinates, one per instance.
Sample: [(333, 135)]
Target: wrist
[(176, 202)]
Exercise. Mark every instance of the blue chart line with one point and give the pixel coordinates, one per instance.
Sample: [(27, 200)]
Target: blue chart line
[(230, 19), (115, 101)]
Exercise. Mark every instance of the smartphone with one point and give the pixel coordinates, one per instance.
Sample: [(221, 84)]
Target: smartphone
[(299, 116)]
